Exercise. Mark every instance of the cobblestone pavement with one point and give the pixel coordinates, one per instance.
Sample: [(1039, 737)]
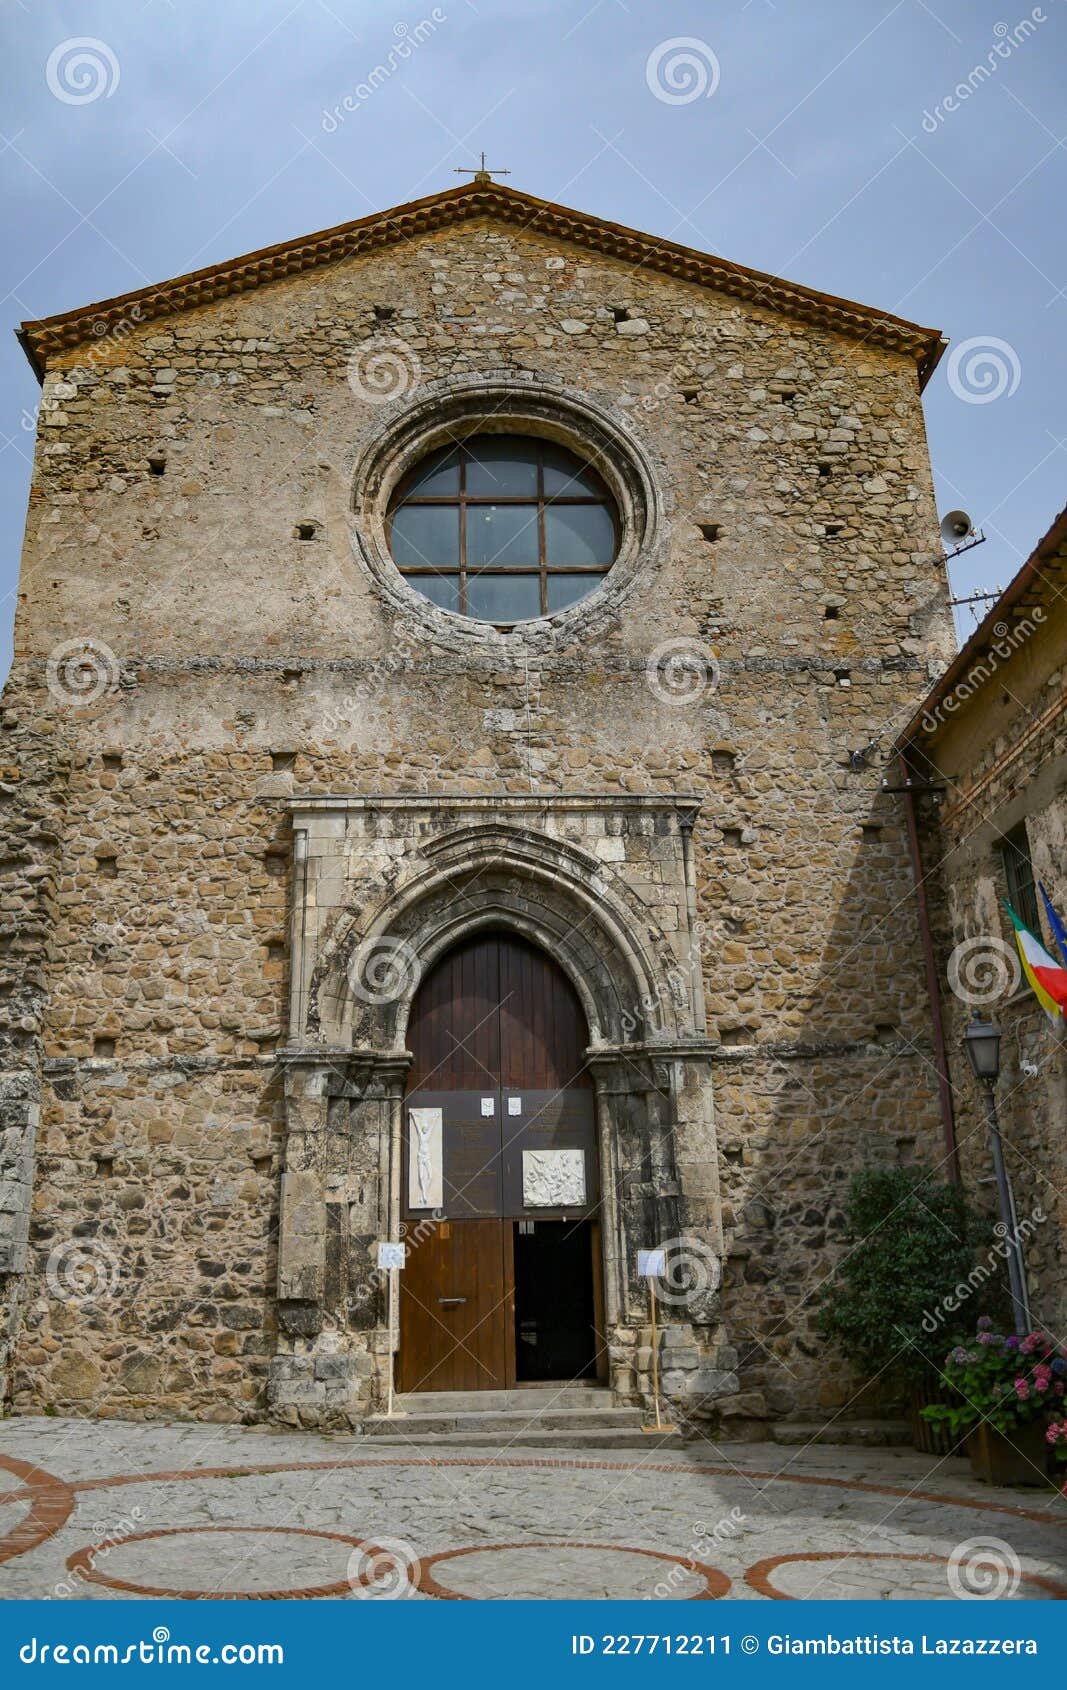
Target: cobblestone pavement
[(116, 1511)]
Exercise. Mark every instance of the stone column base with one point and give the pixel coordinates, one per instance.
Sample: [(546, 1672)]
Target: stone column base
[(326, 1392)]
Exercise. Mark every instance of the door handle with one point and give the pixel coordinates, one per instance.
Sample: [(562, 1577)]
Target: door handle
[(451, 1299)]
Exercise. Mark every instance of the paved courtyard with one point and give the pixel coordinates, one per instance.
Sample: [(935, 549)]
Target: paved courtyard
[(103, 1509)]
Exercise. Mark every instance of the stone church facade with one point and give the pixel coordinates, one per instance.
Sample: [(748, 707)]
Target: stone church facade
[(258, 787)]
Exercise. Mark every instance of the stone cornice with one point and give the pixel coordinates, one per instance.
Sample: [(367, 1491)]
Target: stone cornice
[(497, 801), (44, 338)]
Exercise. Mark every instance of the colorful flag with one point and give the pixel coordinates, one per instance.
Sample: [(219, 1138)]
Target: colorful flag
[(1047, 977), (1059, 932)]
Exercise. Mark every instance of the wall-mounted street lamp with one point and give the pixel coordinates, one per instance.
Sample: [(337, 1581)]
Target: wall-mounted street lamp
[(982, 1041)]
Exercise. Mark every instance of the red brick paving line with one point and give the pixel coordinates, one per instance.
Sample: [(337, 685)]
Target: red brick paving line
[(83, 1562), (716, 1583), (759, 1575), (51, 1505), (1040, 1516)]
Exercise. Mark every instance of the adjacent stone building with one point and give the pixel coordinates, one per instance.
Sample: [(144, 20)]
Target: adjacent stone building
[(985, 757), (263, 781)]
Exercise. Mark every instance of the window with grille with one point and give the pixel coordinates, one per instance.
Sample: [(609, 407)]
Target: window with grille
[(503, 528), (1019, 873)]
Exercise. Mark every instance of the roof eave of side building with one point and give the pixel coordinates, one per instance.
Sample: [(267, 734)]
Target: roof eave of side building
[(1028, 585), (43, 337)]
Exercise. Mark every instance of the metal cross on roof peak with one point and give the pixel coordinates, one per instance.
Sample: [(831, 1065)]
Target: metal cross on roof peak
[(481, 174)]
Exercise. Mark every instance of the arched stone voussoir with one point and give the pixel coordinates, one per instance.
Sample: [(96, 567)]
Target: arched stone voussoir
[(554, 893)]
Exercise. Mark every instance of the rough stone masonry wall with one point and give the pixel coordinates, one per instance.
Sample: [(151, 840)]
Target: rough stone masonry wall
[(1007, 763), (240, 663)]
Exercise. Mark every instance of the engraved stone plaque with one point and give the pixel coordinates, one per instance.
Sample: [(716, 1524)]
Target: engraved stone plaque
[(425, 1169), (553, 1179)]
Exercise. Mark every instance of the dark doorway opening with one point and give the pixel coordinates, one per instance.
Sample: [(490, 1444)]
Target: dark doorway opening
[(555, 1306), (500, 1179)]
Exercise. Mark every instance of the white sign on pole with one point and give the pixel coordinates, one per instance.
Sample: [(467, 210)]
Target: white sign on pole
[(651, 1264), (392, 1255)]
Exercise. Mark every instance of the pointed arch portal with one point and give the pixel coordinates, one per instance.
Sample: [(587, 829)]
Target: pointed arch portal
[(497, 1052)]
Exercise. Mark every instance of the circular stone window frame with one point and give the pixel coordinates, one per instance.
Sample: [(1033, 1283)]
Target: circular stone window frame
[(505, 403)]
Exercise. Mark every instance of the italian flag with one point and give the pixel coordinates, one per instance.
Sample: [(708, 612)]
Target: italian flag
[(1047, 977)]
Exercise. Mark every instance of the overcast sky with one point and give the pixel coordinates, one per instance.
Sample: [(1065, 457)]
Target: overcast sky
[(907, 155)]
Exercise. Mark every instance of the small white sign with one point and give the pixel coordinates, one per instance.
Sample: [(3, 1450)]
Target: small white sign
[(488, 1105), (392, 1255), (514, 1105), (651, 1264)]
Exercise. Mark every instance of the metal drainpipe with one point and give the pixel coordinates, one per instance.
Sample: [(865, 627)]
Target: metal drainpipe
[(944, 1088)]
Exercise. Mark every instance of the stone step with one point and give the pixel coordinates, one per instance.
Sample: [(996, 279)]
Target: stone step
[(605, 1439), (529, 1397), (869, 1433), (505, 1422)]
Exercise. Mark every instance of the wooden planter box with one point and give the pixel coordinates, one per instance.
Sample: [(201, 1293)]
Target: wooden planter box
[(931, 1437), (1021, 1459)]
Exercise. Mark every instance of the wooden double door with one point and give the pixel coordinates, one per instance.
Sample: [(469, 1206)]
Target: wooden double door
[(500, 1177)]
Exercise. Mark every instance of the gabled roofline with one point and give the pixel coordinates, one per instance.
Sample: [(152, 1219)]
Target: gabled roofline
[(46, 336), (1019, 596)]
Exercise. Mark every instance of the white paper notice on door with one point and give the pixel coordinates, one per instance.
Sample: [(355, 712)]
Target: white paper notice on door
[(514, 1105), (425, 1171), (488, 1105)]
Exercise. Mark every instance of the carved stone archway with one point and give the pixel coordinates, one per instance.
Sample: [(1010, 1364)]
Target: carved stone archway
[(382, 888)]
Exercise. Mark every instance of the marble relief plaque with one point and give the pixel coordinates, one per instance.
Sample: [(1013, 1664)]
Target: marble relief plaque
[(553, 1179), (425, 1167)]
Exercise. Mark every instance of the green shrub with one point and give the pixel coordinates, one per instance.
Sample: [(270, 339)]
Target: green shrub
[(910, 1247)]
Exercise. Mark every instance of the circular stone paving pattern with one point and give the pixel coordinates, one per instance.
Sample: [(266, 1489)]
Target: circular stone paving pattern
[(880, 1575), (184, 1562), (557, 1572)]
